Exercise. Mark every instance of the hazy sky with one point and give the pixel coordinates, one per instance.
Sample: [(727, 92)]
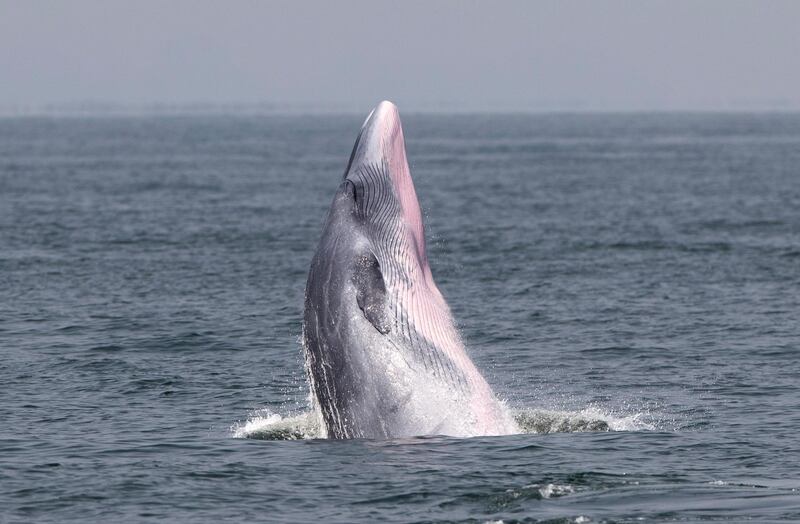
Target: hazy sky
[(451, 55)]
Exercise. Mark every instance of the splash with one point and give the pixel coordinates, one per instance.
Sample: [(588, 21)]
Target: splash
[(264, 424), (588, 419)]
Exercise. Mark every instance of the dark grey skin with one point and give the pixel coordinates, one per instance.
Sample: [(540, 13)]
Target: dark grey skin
[(344, 310), (341, 272), (382, 354)]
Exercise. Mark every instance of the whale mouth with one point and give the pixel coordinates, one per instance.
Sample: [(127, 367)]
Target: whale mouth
[(375, 139), (358, 139), (379, 168), (353, 153)]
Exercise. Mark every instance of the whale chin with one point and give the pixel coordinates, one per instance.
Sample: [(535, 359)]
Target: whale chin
[(383, 356)]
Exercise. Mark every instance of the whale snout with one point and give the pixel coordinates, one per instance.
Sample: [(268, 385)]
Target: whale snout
[(377, 142)]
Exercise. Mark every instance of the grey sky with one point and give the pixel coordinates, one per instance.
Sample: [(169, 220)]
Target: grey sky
[(451, 55)]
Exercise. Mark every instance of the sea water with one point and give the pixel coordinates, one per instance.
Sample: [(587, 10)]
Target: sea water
[(628, 284)]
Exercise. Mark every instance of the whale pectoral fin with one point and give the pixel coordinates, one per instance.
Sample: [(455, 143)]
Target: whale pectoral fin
[(371, 291)]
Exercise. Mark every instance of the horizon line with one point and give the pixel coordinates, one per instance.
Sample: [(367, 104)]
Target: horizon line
[(93, 108)]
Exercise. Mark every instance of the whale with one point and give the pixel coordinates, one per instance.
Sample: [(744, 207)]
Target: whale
[(382, 353)]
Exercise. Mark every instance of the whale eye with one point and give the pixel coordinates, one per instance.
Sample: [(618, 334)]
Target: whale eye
[(356, 192), (352, 190)]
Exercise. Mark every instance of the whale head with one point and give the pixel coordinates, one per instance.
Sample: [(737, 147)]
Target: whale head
[(385, 200)]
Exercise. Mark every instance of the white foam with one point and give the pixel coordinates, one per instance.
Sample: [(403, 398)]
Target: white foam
[(555, 490), (616, 422), (587, 419), (264, 424), (268, 425)]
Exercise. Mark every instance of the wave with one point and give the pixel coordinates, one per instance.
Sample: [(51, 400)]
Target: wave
[(264, 424)]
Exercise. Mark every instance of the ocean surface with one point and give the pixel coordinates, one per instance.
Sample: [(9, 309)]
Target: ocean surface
[(629, 284)]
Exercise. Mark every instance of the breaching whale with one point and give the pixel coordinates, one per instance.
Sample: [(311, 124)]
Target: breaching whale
[(383, 356)]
